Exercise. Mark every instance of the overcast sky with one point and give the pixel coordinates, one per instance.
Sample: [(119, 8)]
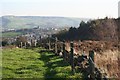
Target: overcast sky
[(65, 8)]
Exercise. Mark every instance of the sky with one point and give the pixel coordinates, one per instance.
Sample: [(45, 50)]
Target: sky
[(62, 8)]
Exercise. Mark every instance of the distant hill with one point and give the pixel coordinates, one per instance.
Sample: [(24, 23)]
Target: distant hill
[(18, 22)]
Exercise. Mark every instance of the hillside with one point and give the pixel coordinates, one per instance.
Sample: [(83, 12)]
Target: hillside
[(100, 29), (17, 22)]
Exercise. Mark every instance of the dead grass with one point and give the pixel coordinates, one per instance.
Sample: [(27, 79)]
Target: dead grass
[(107, 55)]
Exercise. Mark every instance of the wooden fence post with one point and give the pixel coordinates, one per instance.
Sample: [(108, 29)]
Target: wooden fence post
[(64, 54), (21, 44), (56, 51), (30, 42), (72, 58), (49, 44), (92, 65), (35, 43), (25, 45)]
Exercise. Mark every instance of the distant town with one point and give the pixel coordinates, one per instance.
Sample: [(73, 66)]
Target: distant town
[(32, 34)]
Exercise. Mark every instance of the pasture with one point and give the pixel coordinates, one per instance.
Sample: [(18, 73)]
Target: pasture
[(32, 63)]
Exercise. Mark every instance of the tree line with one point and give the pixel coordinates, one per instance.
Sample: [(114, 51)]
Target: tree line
[(101, 29)]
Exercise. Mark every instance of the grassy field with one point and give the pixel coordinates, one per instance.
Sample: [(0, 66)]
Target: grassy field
[(31, 63), (11, 34)]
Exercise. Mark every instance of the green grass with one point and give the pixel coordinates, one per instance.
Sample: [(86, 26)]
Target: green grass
[(30, 63), (11, 34)]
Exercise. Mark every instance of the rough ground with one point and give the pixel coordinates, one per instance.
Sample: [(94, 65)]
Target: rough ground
[(107, 55)]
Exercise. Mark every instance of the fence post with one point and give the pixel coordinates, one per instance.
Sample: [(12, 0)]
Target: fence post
[(30, 42), (92, 65), (35, 43), (64, 54), (21, 44), (25, 44), (56, 46), (49, 44), (72, 58)]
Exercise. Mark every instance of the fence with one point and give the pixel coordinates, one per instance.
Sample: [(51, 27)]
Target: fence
[(69, 56), (60, 48)]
